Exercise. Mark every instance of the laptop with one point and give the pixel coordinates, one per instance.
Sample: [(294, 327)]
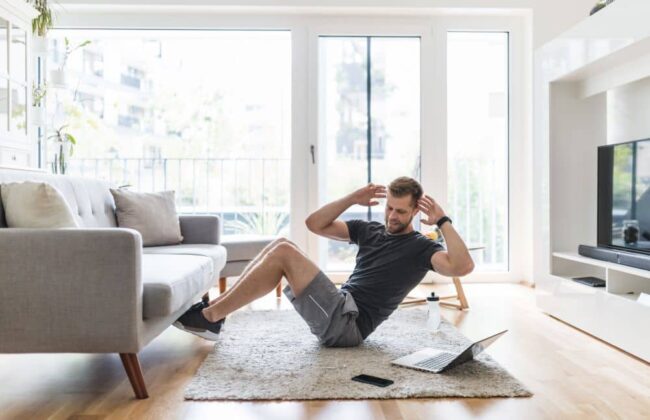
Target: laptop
[(433, 360)]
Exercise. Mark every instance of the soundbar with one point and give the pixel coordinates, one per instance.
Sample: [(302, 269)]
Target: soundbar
[(614, 256)]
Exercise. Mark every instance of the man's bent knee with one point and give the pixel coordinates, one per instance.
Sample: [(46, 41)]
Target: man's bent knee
[(280, 240), (284, 240), (283, 250)]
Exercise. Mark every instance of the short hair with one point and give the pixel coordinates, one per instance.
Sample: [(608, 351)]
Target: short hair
[(404, 186)]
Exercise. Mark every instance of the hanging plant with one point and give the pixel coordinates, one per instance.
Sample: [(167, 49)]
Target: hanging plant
[(600, 5), (43, 22), (38, 94), (38, 104), (69, 49), (65, 143)]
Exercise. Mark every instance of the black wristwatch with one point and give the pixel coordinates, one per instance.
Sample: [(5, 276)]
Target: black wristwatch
[(442, 221)]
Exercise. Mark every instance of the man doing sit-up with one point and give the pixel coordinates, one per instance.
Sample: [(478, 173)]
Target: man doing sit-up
[(392, 259)]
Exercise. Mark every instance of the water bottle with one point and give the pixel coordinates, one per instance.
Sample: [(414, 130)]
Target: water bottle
[(433, 318)]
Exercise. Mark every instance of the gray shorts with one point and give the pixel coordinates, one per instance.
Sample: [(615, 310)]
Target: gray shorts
[(330, 313)]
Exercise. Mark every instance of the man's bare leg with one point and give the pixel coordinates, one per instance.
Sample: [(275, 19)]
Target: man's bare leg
[(283, 259), (252, 264)]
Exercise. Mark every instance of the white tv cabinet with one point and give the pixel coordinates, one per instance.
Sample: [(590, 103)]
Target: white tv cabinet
[(575, 76)]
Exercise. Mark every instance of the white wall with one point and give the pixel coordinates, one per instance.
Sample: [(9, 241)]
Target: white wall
[(627, 112), (552, 17)]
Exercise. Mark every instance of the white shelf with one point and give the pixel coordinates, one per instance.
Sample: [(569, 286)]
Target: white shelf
[(628, 296), (583, 100), (602, 290), (574, 256), (606, 50)]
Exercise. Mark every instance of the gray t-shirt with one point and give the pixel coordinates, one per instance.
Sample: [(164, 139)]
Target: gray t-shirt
[(387, 268)]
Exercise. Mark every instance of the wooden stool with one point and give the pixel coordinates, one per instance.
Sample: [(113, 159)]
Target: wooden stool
[(460, 295)]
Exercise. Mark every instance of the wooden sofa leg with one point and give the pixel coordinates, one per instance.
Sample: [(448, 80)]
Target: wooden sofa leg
[(278, 290), (222, 285), (133, 371)]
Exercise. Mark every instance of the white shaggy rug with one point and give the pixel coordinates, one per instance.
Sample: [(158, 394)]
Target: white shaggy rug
[(271, 355)]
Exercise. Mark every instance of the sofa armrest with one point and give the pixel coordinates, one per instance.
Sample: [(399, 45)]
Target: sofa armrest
[(200, 229), (70, 290)]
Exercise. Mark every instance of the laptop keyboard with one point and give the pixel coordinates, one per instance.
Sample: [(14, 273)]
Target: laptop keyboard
[(436, 362)]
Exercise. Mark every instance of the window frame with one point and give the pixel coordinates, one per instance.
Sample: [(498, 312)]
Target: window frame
[(431, 26)]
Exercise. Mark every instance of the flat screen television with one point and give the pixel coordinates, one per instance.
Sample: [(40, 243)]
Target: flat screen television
[(624, 196)]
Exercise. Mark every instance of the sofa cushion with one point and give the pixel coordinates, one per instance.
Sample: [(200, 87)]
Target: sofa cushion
[(35, 205), (152, 214), (173, 281), (245, 247), (216, 252), (90, 200)]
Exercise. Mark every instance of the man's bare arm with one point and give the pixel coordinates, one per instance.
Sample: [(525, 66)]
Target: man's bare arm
[(456, 261), (324, 221)]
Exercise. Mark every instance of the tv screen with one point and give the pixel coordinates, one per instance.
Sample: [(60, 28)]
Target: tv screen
[(624, 196)]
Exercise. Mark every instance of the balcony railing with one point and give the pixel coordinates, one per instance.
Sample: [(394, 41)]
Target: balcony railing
[(251, 195)]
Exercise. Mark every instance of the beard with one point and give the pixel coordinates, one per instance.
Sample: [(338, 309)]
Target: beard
[(397, 227)]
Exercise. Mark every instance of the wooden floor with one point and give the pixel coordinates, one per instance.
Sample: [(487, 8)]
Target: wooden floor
[(572, 375)]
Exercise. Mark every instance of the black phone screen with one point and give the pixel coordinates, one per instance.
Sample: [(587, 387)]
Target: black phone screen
[(373, 380)]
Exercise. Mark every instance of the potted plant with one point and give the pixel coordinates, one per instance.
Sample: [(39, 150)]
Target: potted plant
[(38, 115), (65, 143), (43, 22), (58, 76), (600, 5), (40, 25)]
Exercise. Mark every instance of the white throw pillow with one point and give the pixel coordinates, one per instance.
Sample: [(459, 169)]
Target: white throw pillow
[(35, 205)]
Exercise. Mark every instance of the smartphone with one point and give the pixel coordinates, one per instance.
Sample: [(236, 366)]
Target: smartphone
[(373, 380)]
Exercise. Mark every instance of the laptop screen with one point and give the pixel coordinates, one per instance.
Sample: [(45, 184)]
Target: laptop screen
[(479, 346)]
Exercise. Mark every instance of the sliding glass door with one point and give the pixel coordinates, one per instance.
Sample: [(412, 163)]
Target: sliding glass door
[(369, 123), (478, 142)]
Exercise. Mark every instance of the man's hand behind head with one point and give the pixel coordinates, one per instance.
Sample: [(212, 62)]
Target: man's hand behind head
[(430, 209), (368, 195)]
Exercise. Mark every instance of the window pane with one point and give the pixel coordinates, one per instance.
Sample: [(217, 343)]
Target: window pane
[(395, 110), (204, 113), (18, 109), (477, 92), (18, 54), (343, 120), (4, 64), (4, 104), (392, 89)]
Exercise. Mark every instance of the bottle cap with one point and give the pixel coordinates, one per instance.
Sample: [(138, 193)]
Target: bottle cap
[(433, 298)]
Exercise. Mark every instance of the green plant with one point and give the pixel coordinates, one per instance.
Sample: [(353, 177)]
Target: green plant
[(43, 22), (38, 94), (70, 49), (600, 5), (64, 140)]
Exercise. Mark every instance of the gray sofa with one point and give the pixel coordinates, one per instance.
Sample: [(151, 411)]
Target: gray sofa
[(95, 289)]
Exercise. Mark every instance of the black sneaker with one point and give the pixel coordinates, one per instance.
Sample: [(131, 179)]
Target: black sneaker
[(199, 305), (193, 322)]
